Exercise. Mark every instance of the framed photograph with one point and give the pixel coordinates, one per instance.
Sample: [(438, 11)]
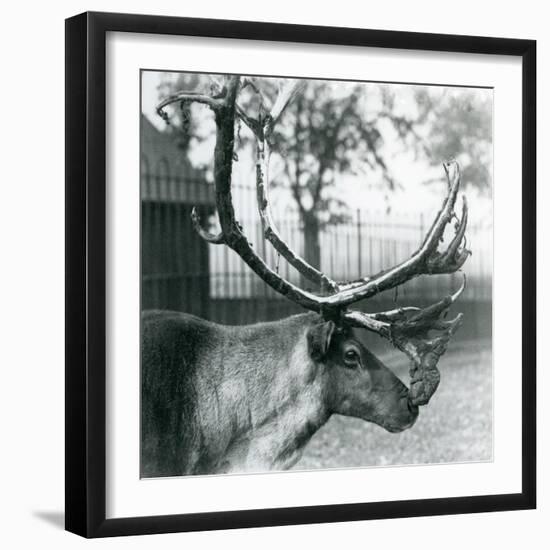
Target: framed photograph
[(300, 274)]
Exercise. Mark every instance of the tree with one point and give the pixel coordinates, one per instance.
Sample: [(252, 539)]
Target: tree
[(327, 133), (458, 124)]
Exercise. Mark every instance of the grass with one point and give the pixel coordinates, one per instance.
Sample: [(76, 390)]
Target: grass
[(456, 426)]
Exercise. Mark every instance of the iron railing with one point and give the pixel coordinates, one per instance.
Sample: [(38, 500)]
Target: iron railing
[(180, 271)]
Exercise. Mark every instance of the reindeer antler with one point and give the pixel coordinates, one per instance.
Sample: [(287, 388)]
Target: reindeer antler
[(422, 334), (408, 329)]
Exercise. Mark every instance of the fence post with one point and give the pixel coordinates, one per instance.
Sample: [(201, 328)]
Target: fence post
[(263, 252), (359, 245), (418, 289)]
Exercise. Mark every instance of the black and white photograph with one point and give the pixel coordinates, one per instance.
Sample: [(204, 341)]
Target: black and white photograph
[(316, 274), (274, 275)]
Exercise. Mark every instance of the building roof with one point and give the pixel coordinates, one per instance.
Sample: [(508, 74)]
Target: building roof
[(166, 173)]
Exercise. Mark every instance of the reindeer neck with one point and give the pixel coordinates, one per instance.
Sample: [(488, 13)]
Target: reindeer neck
[(285, 402)]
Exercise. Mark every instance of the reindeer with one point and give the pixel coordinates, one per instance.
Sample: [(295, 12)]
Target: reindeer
[(219, 399)]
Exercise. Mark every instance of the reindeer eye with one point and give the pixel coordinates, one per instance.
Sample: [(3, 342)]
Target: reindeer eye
[(351, 356)]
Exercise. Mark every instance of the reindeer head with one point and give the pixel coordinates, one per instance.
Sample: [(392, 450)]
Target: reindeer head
[(356, 383), (421, 333)]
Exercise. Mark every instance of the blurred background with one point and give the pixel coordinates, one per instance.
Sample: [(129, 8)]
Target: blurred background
[(356, 179)]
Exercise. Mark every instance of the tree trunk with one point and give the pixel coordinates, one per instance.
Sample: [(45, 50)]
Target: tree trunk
[(312, 248)]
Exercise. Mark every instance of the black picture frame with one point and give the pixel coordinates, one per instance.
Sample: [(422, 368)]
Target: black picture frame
[(86, 269)]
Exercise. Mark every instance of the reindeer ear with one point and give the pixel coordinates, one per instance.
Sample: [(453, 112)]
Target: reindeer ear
[(319, 338)]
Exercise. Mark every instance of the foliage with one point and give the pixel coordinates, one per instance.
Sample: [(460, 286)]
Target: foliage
[(458, 125), (326, 134)]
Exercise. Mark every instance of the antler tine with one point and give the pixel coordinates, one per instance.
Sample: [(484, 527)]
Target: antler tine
[(272, 235), (383, 322), (452, 259), (408, 329), (262, 129), (287, 92), (425, 261), (212, 102), (212, 238)]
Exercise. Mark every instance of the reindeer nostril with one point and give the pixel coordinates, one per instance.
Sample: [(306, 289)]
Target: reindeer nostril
[(413, 409)]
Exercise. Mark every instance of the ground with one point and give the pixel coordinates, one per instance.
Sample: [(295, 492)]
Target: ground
[(456, 426)]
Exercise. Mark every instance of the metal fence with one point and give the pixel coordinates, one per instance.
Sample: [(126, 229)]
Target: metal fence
[(180, 271)]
